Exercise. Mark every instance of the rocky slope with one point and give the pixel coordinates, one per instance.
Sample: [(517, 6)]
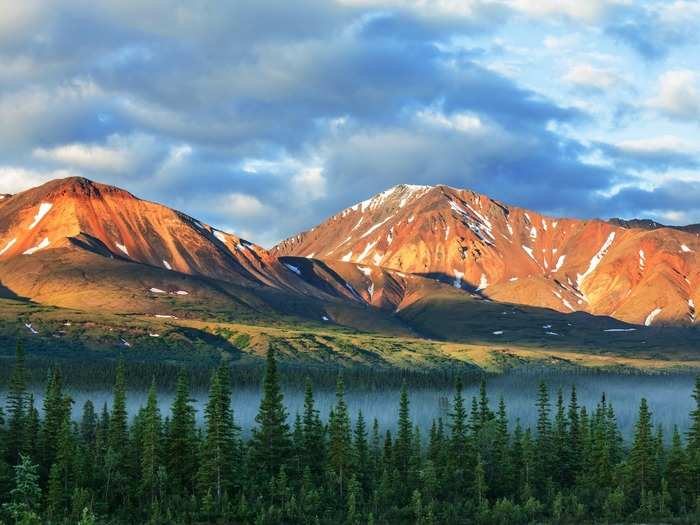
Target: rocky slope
[(509, 254)]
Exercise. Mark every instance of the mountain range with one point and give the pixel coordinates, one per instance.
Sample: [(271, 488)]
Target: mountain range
[(413, 261)]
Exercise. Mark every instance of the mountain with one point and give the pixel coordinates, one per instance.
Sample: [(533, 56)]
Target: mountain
[(417, 276), (508, 254), (75, 243)]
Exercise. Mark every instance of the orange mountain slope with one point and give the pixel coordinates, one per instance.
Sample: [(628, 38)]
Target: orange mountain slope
[(509, 254)]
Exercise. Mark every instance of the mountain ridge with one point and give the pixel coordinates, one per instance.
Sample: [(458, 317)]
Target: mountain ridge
[(403, 246)]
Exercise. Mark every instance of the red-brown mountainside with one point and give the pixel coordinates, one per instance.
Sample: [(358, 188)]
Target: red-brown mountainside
[(509, 254), (78, 213), (76, 243)]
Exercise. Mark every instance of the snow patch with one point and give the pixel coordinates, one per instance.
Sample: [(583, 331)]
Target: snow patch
[(528, 250), (483, 282), (685, 249), (43, 244), (325, 318), (595, 261), (510, 229), (157, 290), (373, 228), (9, 245), (620, 330), (551, 333), (458, 278), (125, 342), (293, 268), (642, 259), (161, 316), (44, 208), (533, 232), (30, 328), (513, 279), (182, 292), (559, 264), (167, 265), (650, 318), (366, 251), (365, 270), (122, 248), (411, 219), (346, 257), (220, 235), (498, 332)]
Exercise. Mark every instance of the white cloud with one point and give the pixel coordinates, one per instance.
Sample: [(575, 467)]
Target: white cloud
[(661, 144), (588, 76), (588, 11), (463, 122), (311, 182), (243, 206), (16, 179), (462, 8), (557, 43), (678, 94)]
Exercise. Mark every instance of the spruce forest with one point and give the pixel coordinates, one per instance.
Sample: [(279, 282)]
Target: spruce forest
[(472, 467)]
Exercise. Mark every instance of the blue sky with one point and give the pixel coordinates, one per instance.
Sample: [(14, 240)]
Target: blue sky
[(264, 117)]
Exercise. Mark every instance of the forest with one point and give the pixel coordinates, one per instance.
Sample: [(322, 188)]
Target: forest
[(573, 466)]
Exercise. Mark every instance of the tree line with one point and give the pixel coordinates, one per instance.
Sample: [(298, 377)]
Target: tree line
[(471, 467)]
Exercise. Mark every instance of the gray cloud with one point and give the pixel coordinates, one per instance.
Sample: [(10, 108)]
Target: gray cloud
[(265, 117)]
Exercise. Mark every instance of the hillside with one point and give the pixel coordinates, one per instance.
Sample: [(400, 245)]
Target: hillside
[(509, 254)]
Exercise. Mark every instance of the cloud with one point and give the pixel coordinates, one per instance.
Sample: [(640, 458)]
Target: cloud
[(591, 77), (243, 206), (678, 95), (118, 154), (14, 179), (589, 11), (653, 29), (659, 153), (265, 117)]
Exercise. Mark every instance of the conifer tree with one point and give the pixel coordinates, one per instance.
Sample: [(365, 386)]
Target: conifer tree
[(151, 447), (115, 456), (340, 442), (502, 476), (361, 452), (271, 444), (404, 435), (219, 449), (574, 444), (642, 464), (25, 497), (314, 451), (17, 406), (677, 473), (544, 448), (181, 440), (57, 408)]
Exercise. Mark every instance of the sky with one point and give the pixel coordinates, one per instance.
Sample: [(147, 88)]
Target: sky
[(265, 117)]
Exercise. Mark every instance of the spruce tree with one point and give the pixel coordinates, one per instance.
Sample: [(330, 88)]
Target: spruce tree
[(642, 464), (17, 406), (361, 452), (544, 456), (271, 444), (677, 473), (314, 451), (151, 448), (219, 458), (340, 441), (404, 434), (181, 440)]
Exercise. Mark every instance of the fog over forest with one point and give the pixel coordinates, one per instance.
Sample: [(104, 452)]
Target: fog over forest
[(668, 397)]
